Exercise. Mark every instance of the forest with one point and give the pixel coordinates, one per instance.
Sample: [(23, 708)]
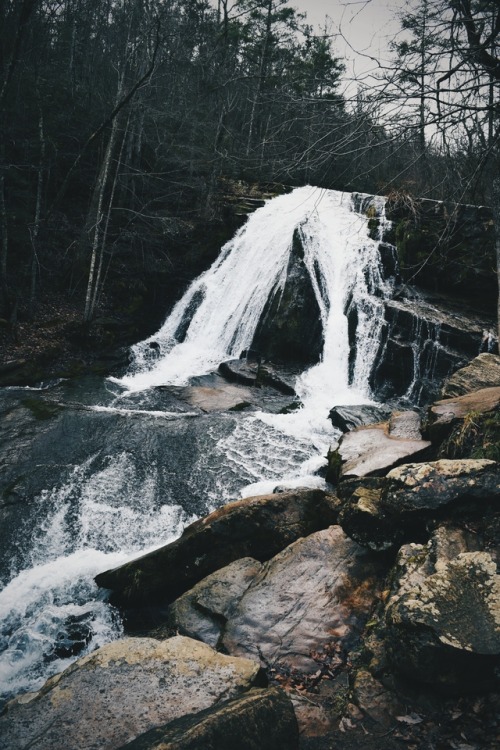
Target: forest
[(123, 122)]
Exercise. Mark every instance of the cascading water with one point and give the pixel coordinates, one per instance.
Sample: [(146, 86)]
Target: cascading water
[(128, 470)]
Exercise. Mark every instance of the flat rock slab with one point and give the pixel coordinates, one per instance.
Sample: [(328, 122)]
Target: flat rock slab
[(121, 691), (482, 372), (317, 591), (240, 371), (226, 398), (259, 720), (375, 449), (257, 527), (201, 612), (381, 512)]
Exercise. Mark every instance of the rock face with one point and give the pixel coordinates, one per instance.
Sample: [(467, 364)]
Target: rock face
[(443, 617), (258, 527), (423, 341), (226, 398), (382, 512), (122, 690), (202, 612), (318, 590), (259, 720), (375, 449), (482, 372), (290, 328)]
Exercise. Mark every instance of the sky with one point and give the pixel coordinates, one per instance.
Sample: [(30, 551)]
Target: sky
[(364, 27)]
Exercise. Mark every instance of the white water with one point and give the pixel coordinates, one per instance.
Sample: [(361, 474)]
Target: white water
[(98, 517)]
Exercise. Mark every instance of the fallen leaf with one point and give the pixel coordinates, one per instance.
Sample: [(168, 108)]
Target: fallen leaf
[(410, 719)]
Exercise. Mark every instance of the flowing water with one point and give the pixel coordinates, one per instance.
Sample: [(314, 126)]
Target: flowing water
[(118, 467)]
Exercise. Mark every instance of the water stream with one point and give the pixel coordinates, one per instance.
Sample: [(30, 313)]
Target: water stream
[(121, 466)]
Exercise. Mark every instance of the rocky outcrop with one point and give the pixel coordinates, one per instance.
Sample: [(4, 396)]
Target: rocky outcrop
[(290, 327), (482, 372), (211, 399), (123, 690), (424, 340), (317, 590), (256, 527), (375, 449), (259, 720), (442, 619), (381, 513)]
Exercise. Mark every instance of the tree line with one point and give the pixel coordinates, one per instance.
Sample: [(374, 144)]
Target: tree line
[(119, 118)]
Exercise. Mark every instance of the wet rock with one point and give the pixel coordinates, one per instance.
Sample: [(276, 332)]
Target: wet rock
[(381, 513), (442, 620), (259, 720), (121, 691), (318, 590), (346, 418), (256, 527), (375, 449), (424, 340), (482, 372), (201, 612), (240, 371), (224, 398), (444, 415), (290, 327)]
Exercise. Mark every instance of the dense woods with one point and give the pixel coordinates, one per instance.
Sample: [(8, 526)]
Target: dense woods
[(120, 121)]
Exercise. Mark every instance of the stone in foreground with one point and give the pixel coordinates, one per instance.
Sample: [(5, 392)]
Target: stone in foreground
[(256, 527), (122, 690), (259, 720), (317, 591)]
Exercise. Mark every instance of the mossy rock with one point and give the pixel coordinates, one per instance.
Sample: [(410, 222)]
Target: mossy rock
[(477, 436)]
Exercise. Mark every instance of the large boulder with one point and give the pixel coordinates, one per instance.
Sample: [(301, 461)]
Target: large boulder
[(482, 372), (375, 449), (380, 513), (259, 720), (256, 527), (442, 618), (317, 591), (123, 690)]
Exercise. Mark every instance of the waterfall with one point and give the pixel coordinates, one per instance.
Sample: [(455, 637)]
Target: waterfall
[(127, 471), (218, 315)]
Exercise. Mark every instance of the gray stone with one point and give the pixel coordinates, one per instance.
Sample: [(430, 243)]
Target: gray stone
[(374, 450), (121, 691), (201, 612), (346, 418), (318, 590), (259, 720), (224, 398)]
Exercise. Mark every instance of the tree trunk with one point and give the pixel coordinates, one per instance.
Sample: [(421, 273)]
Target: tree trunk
[(496, 220)]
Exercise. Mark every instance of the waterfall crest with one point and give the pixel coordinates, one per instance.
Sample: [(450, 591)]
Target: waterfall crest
[(218, 315)]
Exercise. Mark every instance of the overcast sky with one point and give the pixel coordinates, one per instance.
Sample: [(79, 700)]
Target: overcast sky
[(366, 25)]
